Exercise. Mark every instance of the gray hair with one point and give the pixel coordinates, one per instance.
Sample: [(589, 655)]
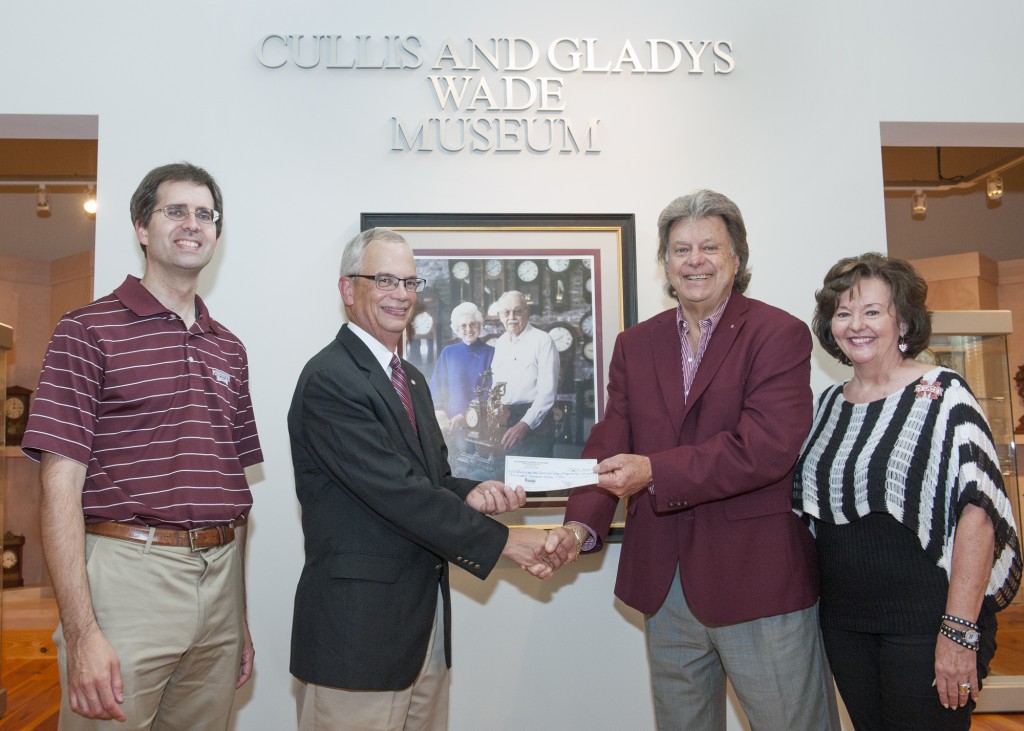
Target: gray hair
[(355, 250), (704, 204), (509, 295), (464, 310)]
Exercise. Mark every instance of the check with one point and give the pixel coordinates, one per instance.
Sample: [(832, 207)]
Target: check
[(537, 474)]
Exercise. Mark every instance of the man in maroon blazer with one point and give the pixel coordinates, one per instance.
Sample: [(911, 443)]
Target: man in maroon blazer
[(708, 405)]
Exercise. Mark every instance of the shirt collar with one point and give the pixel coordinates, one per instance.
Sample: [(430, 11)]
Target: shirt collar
[(141, 301), (377, 348), (709, 322)]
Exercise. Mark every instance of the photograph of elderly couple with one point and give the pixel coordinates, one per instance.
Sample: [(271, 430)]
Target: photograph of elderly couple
[(507, 344)]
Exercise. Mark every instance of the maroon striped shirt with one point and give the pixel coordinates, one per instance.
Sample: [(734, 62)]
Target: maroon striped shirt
[(160, 416)]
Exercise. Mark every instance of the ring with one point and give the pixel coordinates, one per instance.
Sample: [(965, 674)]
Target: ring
[(964, 687)]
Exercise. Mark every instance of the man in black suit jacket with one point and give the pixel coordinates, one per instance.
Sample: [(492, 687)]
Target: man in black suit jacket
[(382, 515)]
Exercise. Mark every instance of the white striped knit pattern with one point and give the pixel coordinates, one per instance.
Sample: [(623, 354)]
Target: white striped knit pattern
[(919, 459)]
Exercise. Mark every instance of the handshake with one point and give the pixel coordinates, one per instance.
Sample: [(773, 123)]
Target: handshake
[(541, 551), (536, 550)]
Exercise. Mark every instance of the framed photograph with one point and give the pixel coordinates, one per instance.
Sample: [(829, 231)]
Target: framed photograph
[(515, 328)]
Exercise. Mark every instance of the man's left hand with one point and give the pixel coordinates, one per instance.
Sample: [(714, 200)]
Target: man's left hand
[(248, 655), (514, 435), (624, 474), (493, 498)]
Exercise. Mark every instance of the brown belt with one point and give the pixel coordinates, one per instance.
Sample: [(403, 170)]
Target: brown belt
[(196, 539)]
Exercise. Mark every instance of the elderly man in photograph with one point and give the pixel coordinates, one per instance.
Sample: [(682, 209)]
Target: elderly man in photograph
[(144, 425), (708, 405), (383, 516), (526, 361)]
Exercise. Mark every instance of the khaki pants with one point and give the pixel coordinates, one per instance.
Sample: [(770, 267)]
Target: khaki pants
[(175, 620), (423, 706)]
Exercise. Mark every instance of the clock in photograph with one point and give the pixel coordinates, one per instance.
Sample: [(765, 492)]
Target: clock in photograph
[(588, 350), (558, 265), (563, 338), (16, 413), (587, 325), (528, 271), (422, 324), (492, 268), (460, 270)]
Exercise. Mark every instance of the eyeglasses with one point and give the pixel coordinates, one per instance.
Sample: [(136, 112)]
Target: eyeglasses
[(206, 216), (390, 282)]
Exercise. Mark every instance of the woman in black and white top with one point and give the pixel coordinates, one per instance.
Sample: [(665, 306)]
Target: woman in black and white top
[(900, 481)]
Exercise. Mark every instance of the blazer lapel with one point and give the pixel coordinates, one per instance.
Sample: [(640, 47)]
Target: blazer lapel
[(379, 381), (668, 366)]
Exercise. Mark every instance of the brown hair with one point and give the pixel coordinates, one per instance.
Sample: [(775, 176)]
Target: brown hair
[(909, 292)]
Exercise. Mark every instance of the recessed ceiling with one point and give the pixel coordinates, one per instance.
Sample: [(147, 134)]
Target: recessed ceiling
[(66, 229), (926, 167)]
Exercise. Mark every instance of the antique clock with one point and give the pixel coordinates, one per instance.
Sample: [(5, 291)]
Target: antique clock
[(493, 268), (11, 560), (422, 330), (559, 283), (16, 413), (528, 276), (565, 338)]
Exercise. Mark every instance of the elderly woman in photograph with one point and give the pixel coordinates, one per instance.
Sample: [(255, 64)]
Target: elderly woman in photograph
[(459, 368), (901, 483)]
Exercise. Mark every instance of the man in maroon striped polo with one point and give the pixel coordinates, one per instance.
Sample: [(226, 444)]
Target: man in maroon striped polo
[(144, 426)]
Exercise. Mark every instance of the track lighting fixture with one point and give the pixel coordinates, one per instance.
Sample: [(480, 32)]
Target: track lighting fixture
[(919, 206), (42, 201), (994, 188), (90, 200)]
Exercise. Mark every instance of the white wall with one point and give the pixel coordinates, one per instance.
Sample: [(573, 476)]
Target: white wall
[(301, 154)]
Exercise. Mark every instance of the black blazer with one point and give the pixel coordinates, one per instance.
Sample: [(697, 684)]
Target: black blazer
[(382, 516)]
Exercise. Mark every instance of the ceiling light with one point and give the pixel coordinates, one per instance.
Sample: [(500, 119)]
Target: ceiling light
[(90, 200), (42, 200), (920, 203), (994, 188)]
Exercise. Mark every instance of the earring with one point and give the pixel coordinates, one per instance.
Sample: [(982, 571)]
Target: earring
[(902, 345)]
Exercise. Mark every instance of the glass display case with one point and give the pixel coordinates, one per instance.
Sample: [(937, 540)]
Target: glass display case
[(973, 343)]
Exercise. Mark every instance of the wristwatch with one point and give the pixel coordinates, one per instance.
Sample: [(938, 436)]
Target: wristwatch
[(967, 637)]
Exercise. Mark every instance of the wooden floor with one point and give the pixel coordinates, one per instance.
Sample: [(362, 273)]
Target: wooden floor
[(29, 663)]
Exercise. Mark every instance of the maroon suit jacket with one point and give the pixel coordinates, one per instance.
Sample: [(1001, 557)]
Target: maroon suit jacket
[(722, 461)]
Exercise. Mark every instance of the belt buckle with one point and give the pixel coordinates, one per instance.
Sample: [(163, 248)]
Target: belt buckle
[(192, 540)]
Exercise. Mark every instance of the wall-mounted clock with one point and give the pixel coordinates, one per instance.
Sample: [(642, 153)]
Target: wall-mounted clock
[(528, 270), (588, 350), (558, 264), (11, 560), (587, 325), (460, 270), (564, 339), (16, 413), (493, 268), (422, 324)]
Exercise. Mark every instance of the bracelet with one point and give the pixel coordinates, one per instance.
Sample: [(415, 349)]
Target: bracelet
[(964, 622), (577, 533), (962, 638)]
